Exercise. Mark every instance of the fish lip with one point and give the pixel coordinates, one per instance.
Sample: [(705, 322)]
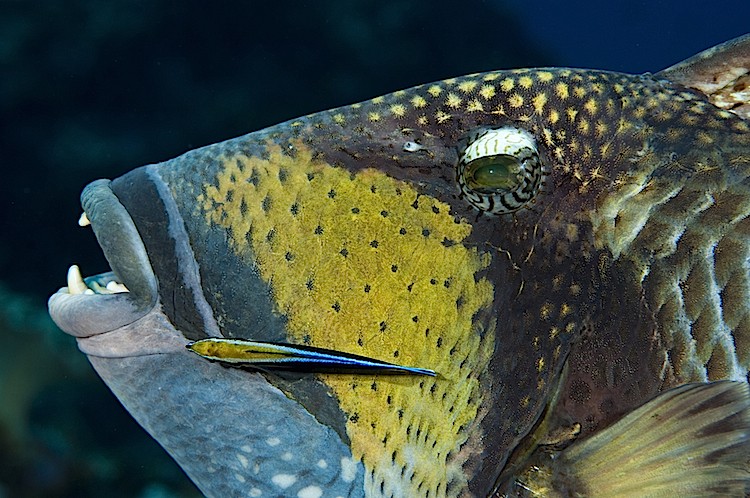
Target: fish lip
[(85, 315)]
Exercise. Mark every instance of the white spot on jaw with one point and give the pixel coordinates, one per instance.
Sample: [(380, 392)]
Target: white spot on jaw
[(322, 464), (273, 441), (284, 480), (310, 492), (287, 456), (255, 492), (348, 469), (243, 460), (247, 448), (240, 477)]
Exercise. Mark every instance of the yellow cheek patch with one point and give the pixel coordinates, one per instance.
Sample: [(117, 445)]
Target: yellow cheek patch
[(360, 263)]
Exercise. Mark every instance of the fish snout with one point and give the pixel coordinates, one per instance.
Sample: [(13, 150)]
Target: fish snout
[(112, 300)]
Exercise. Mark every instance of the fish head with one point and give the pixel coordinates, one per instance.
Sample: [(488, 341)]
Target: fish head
[(477, 227)]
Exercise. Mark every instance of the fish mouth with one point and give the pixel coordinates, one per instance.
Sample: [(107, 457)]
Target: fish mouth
[(108, 301)]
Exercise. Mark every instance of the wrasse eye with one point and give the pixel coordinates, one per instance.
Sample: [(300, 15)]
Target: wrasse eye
[(500, 171)]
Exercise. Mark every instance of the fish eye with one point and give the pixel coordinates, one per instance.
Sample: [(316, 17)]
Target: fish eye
[(499, 170)]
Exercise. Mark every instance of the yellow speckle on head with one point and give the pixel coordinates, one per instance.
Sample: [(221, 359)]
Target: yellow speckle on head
[(373, 116), (554, 116), (525, 401), (398, 110), (515, 100), (467, 86), (450, 81), (378, 100), (571, 112), (297, 123), (487, 92), (601, 128), (579, 92), (544, 76), (583, 126), (561, 90), (507, 84), (618, 88), (441, 117), (704, 138), (553, 333), (570, 327), (370, 296), (546, 310), (422, 120), (338, 118), (474, 105), (491, 77), (525, 82), (591, 106), (434, 90), (453, 101), (539, 101), (540, 364), (418, 101), (597, 87), (565, 310)]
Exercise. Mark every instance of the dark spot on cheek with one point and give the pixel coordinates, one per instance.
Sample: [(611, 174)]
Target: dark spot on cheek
[(607, 406), (580, 391)]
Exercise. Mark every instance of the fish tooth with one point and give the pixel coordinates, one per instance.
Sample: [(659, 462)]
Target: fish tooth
[(83, 221), (75, 281), (116, 287)]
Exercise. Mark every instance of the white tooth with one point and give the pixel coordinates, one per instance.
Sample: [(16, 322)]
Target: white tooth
[(75, 281), (84, 220), (113, 286)]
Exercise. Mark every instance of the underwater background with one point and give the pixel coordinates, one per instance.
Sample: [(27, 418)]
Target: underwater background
[(92, 89)]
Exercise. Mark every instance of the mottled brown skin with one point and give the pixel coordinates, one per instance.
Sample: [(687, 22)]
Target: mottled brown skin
[(562, 295)]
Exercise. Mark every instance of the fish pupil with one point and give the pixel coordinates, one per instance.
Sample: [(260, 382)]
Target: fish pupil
[(493, 173)]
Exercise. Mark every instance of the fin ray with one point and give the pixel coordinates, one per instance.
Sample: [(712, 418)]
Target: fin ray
[(690, 441)]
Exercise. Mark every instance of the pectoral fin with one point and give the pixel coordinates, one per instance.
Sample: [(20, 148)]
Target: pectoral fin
[(690, 441), (257, 354)]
